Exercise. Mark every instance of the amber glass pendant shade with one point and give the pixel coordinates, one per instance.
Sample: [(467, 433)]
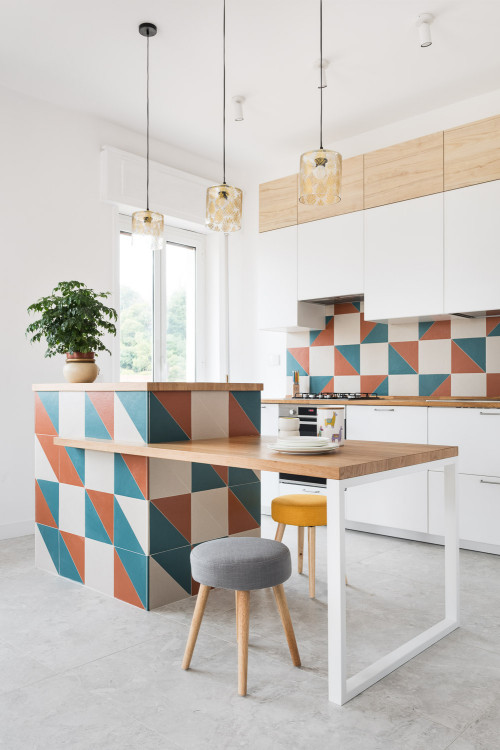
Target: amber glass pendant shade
[(147, 229), (224, 204), (320, 177)]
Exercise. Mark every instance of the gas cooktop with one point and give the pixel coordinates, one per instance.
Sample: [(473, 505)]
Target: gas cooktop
[(336, 396)]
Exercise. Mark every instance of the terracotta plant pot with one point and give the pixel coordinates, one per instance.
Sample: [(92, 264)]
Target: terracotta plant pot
[(80, 367)]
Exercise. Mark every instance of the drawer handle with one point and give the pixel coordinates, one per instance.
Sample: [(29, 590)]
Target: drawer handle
[(375, 409), (487, 481), (490, 413), (312, 492)]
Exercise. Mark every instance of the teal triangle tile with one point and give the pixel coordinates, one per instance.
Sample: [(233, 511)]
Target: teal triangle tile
[(292, 364), (177, 564), (249, 497), (318, 382), (136, 406), (162, 533), (138, 571), (94, 528), (77, 458), (383, 388), (495, 331), (50, 491), (204, 477), (51, 538), (475, 348), (94, 426), (378, 335), (351, 352), (123, 535), (428, 384), (67, 567), (424, 327), (125, 483), (397, 364), (241, 476), (357, 305), (50, 400), (250, 403), (162, 426)]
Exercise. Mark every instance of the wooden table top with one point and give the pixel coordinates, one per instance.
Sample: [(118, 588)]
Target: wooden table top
[(148, 386), (468, 402), (356, 458)]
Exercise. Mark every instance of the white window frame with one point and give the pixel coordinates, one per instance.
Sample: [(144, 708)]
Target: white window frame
[(187, 238)]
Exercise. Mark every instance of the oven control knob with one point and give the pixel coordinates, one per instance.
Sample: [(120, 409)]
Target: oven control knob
[(292, 411)]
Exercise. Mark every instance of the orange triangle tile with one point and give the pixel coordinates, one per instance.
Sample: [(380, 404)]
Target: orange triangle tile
[(366, 327), (325, 338), (103, 503), (105, 407), (178, 405), (223, 472), (344, 308), (342, 366), (328, 387), (492, 385), (301, 354), (51, 451), (124, 588), (42, 510), (440, 329), (444, 389), (67, 472), (177, 510), (239, 519), (138, 467), (370, 382), (76, 548), (461, 362), (239, 422), (408, 350), (491, 324), (43, 423)]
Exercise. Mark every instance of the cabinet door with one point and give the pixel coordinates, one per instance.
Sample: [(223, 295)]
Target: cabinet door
[(269, 489), (472, 153), (404, 259), (351, 194), (392, 424), (475, 431), (472, 248), (478, 503), (278, 203), (331, 257), (269, 419), (399, 503)]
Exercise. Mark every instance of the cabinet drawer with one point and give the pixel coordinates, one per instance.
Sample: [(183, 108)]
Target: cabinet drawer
[(398, 424), (399, 503), (475, 431), (299, 489), (478, 503)]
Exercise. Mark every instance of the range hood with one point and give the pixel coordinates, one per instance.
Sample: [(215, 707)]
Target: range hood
[(478, 314), (360, 298)]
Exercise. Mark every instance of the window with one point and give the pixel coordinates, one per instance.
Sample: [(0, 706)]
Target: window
[(161, 307)]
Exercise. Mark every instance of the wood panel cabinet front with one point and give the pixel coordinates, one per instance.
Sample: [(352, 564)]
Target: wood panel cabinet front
[(278, 203), (407, 170), (472, 153), (351, 194)]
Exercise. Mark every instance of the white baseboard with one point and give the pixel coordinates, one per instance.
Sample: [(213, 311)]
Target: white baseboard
[(21, 528)]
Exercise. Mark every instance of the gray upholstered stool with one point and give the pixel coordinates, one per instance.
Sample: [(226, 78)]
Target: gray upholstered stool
[(241, 564)]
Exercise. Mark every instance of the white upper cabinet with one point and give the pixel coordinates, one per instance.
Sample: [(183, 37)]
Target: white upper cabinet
[(330, 262), (404, 259), (472, 248), (279, 309)]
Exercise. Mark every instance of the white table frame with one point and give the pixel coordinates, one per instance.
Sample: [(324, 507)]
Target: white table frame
[(341, 688)]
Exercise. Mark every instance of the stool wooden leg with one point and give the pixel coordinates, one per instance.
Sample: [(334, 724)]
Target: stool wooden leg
[(279, 593), (279, 532), (312, 560), (243, 610), (237, 619), (199, 610), (300, 545)]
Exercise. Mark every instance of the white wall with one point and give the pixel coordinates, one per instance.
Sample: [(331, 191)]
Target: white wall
[(53, 227)]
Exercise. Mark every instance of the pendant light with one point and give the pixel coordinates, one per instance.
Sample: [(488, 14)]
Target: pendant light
[(223, 201), (320, 174), (147, 226)]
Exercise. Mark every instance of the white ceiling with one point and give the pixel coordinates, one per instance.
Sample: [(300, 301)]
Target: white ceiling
[(88, 56)]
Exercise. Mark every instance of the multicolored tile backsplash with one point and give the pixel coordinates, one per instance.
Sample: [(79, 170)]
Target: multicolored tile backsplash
[(459, 357)]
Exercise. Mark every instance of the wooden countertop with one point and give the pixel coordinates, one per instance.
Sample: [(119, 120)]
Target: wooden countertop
[(465, 402), (356, 458), (148, 387)]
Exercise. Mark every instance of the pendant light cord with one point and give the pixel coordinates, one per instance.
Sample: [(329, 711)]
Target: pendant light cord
[(147, 124), (321, 73), (224, 94)]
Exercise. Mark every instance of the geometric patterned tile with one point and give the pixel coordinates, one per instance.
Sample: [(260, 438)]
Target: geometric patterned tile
[(205, 477), (46, 548), (209, 515), (493, 354), (468, 355), (375, 358), (209, 414), (435, 385), (47, 412), (434, 356), (46, 458), (131, 416), (72, 414), (378, 384), (99, 415), (163, 587), (249, 497), (99, 566), (131, 476), (72, 556), (47, 503), (244, 413), (131, 524), (131, 577), (468, 384), (72, 509), (169, 416), (72, 466), (297, 358), (403, 358), (177, 564), (168, 478), (99, 471), (169, 523), (99, 515)]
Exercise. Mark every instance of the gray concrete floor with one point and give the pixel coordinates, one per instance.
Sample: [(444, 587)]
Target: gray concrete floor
[(82, 671)]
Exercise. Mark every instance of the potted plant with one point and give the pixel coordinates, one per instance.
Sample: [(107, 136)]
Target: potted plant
[(73, 321)]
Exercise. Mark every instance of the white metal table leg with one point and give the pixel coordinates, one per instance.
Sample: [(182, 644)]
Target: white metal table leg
[(336, 591), (451, 547)]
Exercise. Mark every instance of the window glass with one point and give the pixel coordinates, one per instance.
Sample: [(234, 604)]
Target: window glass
[(136, 312), (180, 324)]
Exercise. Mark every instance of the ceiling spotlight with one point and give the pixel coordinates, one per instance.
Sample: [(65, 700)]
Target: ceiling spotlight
[(324, 65), (238, 108), (423, 24)]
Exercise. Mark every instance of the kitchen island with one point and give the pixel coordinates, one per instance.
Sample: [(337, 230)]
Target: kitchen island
[(124, 523), (355, 463)]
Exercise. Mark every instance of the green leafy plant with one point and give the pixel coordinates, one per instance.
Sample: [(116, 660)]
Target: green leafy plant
[(72, 319)]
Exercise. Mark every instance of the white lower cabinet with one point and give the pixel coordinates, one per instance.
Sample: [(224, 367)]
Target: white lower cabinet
[(479, 508), (476, 431), (269, 489), (269, 419)]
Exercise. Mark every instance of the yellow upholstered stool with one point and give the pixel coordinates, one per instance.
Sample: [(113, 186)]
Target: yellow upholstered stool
[(304, 511)]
